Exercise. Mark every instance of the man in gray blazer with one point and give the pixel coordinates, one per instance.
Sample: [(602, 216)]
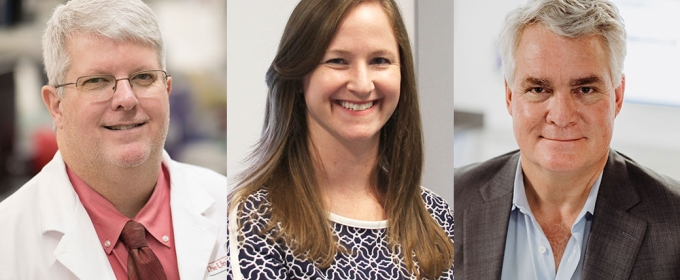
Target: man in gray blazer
[(565, 206)]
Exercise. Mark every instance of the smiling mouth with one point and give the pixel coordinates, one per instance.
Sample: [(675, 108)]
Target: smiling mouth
[(356, 107), (561, 140), (123, 127)]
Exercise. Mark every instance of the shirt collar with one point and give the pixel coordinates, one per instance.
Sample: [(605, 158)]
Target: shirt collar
[(109, 223), (519, 196)]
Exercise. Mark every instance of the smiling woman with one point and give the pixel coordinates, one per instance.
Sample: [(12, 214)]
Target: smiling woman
[(335, 178)]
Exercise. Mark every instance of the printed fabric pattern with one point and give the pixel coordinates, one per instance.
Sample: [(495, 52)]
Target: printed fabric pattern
[(369, 255)]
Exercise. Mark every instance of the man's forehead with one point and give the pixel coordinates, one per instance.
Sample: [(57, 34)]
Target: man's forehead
[(546, 58), (89, 50)]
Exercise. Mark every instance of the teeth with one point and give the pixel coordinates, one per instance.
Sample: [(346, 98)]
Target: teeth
[(122, 127), (356, 107)]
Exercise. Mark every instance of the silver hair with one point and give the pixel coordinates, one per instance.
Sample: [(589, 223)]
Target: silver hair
[(129, 20), (569, 18)]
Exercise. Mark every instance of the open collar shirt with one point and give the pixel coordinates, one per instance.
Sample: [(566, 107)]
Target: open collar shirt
[(108, 223), (528, 254)]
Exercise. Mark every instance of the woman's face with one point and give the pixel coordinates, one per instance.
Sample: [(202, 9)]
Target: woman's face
[(355, 88)]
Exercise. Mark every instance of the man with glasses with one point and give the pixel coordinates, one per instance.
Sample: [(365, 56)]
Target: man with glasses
[(112, 204)]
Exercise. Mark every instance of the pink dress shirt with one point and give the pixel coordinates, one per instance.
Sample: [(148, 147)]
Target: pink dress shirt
[(108, 223)]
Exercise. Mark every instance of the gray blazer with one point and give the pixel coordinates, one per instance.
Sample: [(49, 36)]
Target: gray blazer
[(635, 232)]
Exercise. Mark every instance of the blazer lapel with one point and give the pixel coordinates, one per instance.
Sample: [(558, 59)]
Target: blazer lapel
[(616, 235), (66, 225), (196, 236), (486, 225)]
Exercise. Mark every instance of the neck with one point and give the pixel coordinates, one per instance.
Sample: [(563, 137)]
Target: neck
[(346, 177), (559, 195), (127, 188)]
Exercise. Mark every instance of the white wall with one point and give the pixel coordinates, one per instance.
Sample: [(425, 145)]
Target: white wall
[(649, 134), (434, 63), (254, 29)]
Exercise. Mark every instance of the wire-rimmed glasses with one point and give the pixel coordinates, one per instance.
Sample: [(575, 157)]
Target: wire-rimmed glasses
[(101, 87)]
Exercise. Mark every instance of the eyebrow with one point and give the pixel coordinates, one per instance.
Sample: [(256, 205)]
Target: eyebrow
[(341, 52), (337, 52), (575, 82), (536, 82), (585, 81)]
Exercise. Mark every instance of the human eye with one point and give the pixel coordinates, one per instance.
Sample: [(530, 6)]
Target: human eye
[(537, 90), (537, 94), (585, 90), (380, 60), (338, 61), (144, 78), (94, 82)]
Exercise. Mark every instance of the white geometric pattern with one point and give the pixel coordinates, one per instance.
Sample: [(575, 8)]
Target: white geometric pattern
[(369, 257)]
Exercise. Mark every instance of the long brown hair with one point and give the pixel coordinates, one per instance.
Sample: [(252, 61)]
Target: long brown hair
[(282, 163)]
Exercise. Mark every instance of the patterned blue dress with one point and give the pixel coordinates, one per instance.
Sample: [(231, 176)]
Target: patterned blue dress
[(369, 256)]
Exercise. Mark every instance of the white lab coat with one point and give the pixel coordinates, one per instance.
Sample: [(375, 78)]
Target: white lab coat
[(47, 234)]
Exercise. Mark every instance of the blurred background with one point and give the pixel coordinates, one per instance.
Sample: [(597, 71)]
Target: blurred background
[(646, 129), (195, 36)]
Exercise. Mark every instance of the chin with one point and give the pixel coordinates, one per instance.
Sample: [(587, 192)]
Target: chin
[(362, 137), (562, 163), (130, 157)]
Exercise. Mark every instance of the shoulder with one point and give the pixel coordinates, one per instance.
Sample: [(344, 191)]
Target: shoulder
[(481, 172), (255, 203), (641, 175), (47, 192), (20, 207), (200, 174), (484, 181), (439, 209), (654, 189), (433, 200), (252, 213)]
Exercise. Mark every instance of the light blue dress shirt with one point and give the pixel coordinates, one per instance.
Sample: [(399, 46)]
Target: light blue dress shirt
[(528, 254)]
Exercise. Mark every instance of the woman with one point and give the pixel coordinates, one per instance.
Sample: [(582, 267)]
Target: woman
[(332, 190)]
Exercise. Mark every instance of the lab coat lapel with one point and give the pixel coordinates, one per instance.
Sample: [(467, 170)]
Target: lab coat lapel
[(66, 224), (616, 235), (196, 235)]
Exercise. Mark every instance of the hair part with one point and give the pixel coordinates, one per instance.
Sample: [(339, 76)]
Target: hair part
[(282, 161), (568, 18), (129, 20)]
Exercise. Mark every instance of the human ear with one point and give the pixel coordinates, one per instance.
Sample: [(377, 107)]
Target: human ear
[(618, 93), (53, 103), (508, 98), (168, 85)]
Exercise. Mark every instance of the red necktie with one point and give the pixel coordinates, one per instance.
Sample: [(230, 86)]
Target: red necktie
[(142, 262)]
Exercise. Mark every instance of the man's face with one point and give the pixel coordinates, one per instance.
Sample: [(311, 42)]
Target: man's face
[(562, 101), (124, 131)]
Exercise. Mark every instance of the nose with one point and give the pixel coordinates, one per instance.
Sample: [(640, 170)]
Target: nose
[(562, 110), (360, 80), (123, 96)]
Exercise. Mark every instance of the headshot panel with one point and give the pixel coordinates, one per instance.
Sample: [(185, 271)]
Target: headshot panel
[(117, 167), (254, 29), (547, 180), (642, 130), (339, 135)]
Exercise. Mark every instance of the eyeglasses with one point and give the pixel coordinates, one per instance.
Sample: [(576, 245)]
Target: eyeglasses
[(101, 87)]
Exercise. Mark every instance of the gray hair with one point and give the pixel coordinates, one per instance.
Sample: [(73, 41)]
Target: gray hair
[(129, 20), (569, 18)]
